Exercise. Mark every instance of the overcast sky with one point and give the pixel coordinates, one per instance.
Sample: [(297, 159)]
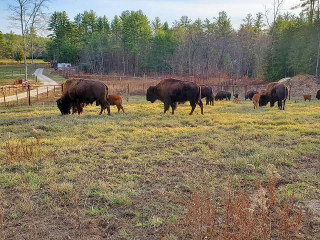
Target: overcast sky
[(167, 10)]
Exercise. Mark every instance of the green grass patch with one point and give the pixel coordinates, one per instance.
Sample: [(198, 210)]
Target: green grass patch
[(146, 162)]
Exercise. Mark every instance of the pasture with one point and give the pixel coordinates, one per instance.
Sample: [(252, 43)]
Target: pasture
[(11, 72), (125, 176)]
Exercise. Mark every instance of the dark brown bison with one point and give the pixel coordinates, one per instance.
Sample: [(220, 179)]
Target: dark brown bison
[(76, 92), (318, 95), (223, 95), (307, 97), (276, 92), (206, 92), (249, 94), (170, 91)]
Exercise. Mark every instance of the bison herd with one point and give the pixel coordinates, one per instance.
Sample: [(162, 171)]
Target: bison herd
[(77, 93)]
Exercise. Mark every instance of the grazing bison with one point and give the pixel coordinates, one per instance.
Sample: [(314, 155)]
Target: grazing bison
[(249, 94), (223, 95), (255, 100), (170, 91), (206, 92), (115, 100), (77, 92), (275, 92), (318, 95), (307, 97)]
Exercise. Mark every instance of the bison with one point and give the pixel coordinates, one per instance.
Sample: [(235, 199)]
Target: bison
[(255, 100), (76, 92), (115, 100), (318, 95), (223, 95), (275, 92), (249, 94), (307, 97), (170, 91), (206, 92)]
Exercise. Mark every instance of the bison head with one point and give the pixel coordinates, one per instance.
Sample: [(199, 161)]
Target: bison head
[(152, 94), (64, 104), (264, 99)]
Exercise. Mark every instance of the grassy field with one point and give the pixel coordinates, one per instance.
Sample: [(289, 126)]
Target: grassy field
[(13, 62), (11, 72), (125, 176), (49, 73)]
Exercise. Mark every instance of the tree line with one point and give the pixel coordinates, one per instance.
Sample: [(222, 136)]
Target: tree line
[(131, 44), (11, 47)]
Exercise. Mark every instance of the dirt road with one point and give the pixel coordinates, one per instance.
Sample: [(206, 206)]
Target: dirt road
[(47, 82)]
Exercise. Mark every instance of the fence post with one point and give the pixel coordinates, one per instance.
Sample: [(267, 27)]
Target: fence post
[(61, 88), (128, 93), (289, 91), (29, 96), (47, 92), (54, 88), (37, 94), (17, 96)]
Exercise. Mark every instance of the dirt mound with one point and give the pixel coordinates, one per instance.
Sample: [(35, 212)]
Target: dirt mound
[(303, 84)]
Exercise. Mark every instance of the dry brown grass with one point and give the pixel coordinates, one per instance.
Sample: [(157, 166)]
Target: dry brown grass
[(241, 215), (24, 150)]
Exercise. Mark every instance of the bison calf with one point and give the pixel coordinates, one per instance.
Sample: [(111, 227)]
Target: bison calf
[(115, 100), (307, 97), (255, 100)]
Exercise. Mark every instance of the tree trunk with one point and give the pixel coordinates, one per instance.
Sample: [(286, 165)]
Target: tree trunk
[(24, 44)]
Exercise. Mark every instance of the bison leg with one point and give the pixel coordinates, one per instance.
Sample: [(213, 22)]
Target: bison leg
[(207, 101), (121, 108), (173, 106), (166, 107), (280, 104), (80, 110), (192, 109), (201, 106), (108, 109)]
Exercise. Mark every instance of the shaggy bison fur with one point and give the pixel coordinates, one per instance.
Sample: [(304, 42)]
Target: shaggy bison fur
[(170, 91)]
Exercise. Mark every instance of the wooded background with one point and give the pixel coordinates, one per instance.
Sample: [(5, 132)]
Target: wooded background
[(130, 44)]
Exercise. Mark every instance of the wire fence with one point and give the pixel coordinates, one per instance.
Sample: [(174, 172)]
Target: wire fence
[(33, 94), (28, 94), (124, 86)]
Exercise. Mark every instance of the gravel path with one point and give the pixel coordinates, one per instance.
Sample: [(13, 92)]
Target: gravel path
[(33, 93)]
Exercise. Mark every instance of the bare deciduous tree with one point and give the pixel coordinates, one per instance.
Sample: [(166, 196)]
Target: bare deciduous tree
[(25, 14)]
